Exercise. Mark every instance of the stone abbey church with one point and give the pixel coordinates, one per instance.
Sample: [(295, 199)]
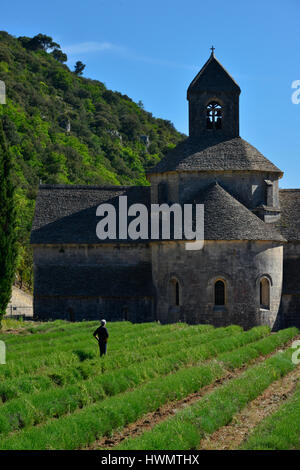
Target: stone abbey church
[(248, 272)]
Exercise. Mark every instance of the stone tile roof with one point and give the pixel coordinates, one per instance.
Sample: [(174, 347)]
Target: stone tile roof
[(227, 219), (67, 214), (104, 281), (213, 77), (289, 223), (214, 153)]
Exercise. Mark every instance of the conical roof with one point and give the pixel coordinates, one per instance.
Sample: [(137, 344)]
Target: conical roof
[(213, 153), (225, 218)]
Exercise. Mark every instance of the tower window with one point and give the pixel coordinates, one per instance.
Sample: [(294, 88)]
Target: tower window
[(265, 293), (219, 293), (214, 116)]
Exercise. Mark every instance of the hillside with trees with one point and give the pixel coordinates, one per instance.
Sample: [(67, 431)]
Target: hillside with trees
[(63, 128)]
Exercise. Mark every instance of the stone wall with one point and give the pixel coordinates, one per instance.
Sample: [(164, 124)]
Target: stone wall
[(247, 187), (67, 283), (134, 309), (290, 304), (21, 303), (240, 264), (87, 255)]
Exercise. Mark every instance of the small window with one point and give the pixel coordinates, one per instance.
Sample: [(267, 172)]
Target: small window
[(265, 293), (175, 293), (219, 293), (71, 315), (214, 116), (125, 314)]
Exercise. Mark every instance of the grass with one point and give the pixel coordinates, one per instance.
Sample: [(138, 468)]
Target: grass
[(36, 408), (10, 323), (58, 394), (71, 374), (85, 425), (84, 339), (190, 425), (241, 356), (61, 355), (279, 431)]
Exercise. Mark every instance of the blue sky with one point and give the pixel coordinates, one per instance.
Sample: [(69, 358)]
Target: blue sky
[(152, 49)]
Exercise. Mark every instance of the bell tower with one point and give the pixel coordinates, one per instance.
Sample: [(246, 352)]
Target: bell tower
[(213, 98)]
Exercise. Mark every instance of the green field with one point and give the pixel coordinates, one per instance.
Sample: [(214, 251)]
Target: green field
[(56, 393)]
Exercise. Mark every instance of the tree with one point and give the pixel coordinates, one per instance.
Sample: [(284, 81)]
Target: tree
[(8, 238), (25, 41), (59, 55), (79, 68), (38, 42), (62, 79)]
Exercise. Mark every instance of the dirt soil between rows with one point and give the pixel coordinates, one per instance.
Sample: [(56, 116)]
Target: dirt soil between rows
[(234, 434), (149, 420)]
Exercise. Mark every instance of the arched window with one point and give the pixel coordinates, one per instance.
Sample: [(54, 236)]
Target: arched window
[(213, 115), (264, 286), (219, 293), (175, 292)]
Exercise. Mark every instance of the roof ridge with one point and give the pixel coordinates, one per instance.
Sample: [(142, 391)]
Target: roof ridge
[(289, 189), (86, 186)]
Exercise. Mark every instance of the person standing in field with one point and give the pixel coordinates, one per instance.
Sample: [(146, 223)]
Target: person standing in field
[(101, 335)]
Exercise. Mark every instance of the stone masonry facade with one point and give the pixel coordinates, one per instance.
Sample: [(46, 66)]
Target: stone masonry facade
[(247, 271)]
